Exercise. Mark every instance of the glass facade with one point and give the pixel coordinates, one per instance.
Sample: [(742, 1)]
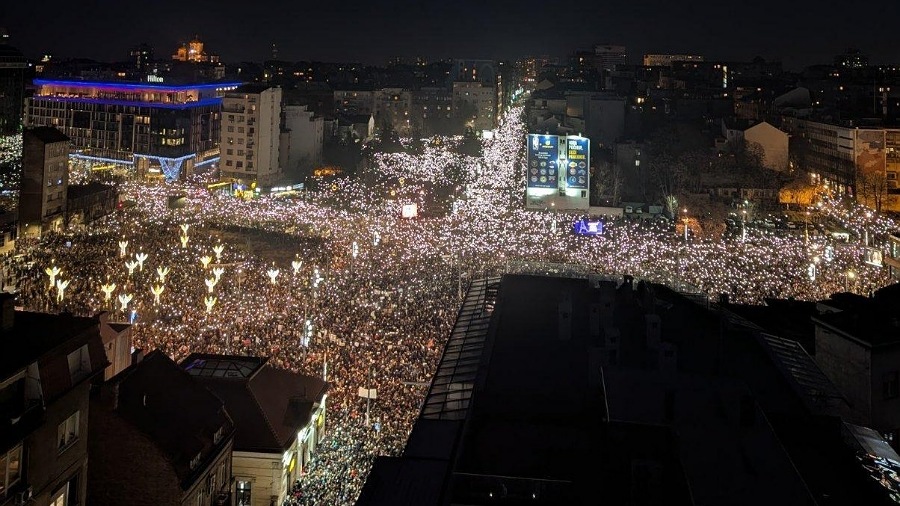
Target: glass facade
[(133, 124)]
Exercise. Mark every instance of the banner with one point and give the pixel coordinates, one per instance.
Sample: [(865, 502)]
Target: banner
[(543, 156), (577, 162)]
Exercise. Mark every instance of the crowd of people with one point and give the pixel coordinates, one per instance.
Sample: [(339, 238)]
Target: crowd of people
[(338, 285)]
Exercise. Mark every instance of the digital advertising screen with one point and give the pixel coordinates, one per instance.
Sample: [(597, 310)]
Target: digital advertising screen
[(543, 157), (588, 227), (577, 162)]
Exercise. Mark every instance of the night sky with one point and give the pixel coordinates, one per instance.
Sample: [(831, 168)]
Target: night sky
[(800, 32)]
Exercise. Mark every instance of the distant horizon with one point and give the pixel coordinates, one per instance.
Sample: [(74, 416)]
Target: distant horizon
[(374, 32), (632, 59)]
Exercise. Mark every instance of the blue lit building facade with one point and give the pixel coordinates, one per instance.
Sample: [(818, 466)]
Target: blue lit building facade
[(152, 130)]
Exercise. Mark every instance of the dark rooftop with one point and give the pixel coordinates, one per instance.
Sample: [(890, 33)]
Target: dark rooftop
[(252, 88), (46, 134), (268, 405), (33, 335), (174, 410), (83, 190)]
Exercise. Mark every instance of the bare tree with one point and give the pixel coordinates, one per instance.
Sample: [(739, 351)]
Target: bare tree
[(872, 187)]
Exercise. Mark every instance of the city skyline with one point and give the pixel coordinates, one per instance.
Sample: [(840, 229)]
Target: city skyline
[(378, 31)]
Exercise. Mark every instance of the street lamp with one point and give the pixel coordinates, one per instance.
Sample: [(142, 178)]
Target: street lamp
[(848, 277), (743, 224), (685, 219), (806, 228)]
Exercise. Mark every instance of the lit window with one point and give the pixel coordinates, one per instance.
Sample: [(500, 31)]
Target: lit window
[(10, 469), (67, 431)]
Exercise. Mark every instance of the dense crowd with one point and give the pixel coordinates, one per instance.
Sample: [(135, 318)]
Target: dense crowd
[(337, 284)]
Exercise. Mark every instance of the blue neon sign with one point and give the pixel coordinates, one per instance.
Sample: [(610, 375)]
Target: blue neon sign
[(588, 227)]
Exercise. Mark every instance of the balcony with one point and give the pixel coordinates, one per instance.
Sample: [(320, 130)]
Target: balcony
[(234, 109)]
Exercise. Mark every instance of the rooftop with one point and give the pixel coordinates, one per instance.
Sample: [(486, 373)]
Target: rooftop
[(46, 134), (268, 405), (175, 411), (33, 335)]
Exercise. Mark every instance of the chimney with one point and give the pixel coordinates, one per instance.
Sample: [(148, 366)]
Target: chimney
[(7, 311)]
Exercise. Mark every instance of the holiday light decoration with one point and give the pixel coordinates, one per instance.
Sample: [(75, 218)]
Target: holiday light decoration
[(52, 271), (161, 273), (124, 299), (157, 290), (141, 258)]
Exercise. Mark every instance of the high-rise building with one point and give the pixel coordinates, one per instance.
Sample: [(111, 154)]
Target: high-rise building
[(13, 67), (480, 71), (665, 60), (141, 55), (851, 59), (151, 129), (476, 104), (251, 128), (610, 55), (45, 178)]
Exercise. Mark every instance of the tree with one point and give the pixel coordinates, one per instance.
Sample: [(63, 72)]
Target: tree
[(609, 177), (470, 144), (799, 191), (872, 188)]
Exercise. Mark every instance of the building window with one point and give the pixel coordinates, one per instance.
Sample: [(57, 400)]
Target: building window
[(67, 432), (637, 163), (79, 364), (10, 469), (231, 129), (243, 493), (890, 384), (218, 435), (59, 499), (195, 462)]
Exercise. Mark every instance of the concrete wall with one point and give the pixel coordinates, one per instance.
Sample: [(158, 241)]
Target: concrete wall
[(773, 142), (48, 468), (265, 473), (848, 365), (301, 149), (885, 412)]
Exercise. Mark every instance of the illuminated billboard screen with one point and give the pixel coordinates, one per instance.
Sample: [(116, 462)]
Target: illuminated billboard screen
[(409, 210), (577, 162), (588, 227), (543, 157), (873, 256)]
